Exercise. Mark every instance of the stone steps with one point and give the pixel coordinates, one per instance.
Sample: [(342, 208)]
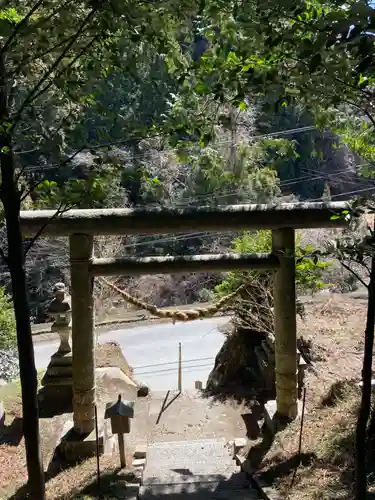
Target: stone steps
[(203, 469), (202, 493)]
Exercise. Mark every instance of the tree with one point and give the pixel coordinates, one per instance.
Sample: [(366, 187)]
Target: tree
[(355, 251), (309, 271), (49, 53), (310, 52)]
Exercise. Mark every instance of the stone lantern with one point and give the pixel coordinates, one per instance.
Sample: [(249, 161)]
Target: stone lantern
[(56, 393), (60, 310)]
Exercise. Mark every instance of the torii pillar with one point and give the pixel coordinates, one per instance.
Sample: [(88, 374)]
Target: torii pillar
[(83, 347), (285, 313)]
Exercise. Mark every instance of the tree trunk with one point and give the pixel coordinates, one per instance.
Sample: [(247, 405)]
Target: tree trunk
[(365, 408), (371, 430), (10, 198)]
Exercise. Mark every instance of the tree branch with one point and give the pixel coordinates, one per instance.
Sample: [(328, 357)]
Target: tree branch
[(53, 13), (72, 62), (364, 111), (370, 95), (30, 59), (348, 268), (19, 26), (31, 96), (58, 212)]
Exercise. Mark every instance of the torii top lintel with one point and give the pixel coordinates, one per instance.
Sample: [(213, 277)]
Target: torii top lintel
[(115, 221)]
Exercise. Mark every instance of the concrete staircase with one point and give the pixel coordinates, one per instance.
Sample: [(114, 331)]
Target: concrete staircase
[(202, 469)]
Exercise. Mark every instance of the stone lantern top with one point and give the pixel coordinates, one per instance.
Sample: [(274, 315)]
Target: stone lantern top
[(60, 307)]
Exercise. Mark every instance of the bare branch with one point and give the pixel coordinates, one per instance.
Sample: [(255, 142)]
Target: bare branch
[(367, 113), (31, 96), (348, 268), (58, 212)]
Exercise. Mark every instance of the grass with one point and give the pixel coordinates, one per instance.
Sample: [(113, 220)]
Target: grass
[(80, 482), (63, 482), (10, 394), (12, 450), (324, 470)]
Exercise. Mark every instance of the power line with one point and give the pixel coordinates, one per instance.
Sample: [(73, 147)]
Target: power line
[(170, 370), (285, 183), (354, 192), (185, 236), (32, 168), (171, 363)]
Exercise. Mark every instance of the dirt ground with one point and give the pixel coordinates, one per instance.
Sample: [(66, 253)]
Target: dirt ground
[(335, 328), (13, 474)]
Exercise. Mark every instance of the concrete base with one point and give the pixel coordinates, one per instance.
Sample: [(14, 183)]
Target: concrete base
[(74, 447), (55, 400), (273, 422), (55, 396)]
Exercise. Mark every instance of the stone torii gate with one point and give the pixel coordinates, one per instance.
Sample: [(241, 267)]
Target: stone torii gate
[(82, 225)]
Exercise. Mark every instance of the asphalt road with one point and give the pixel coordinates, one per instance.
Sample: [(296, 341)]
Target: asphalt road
[(153, 351)]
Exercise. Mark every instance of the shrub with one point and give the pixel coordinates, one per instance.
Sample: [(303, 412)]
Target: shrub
[(8, 337), (309, 272)]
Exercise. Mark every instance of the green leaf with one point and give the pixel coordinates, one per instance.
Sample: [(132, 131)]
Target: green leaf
[(10, 15)]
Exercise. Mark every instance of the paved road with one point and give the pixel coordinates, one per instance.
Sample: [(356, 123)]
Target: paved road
[(153, 351)]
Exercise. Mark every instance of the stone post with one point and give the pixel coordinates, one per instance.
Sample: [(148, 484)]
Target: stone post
[(81, 246), (285, 323)]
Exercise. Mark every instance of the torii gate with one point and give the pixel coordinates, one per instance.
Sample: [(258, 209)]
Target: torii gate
[(82, 225)]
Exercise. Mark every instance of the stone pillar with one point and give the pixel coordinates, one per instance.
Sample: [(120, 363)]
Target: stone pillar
[(83, 345), (285, 323)]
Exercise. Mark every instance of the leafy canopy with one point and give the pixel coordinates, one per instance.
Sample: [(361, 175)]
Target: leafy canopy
[(309, 271)]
